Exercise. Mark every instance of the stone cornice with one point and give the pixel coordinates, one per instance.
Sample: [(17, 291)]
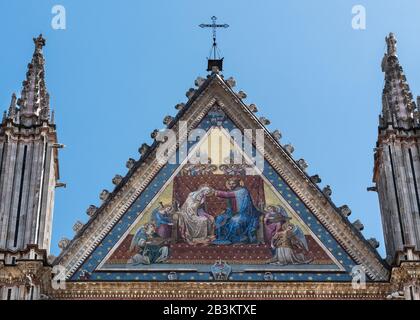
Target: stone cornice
[(220, 290), (20, 129), (41, 252)]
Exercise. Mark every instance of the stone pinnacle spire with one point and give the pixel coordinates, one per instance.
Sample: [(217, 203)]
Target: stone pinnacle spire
[(29, 171), (397, 166), (34, 99), (398, 107)]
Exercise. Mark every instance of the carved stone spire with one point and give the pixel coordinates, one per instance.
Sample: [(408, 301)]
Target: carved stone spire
[(28, 163), (34, 100), (397, 165), (398, 107)]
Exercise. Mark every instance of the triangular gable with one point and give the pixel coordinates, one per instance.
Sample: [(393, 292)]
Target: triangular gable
[(99, 250)]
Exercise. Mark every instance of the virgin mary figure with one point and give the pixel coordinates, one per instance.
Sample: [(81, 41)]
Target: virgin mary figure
[(194, 223)]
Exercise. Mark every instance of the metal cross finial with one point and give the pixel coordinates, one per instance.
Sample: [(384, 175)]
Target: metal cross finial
[(214, 26)]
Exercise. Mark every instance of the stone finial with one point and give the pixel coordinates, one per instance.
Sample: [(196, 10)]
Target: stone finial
[(130, 163), (391, 43), (180, 106), (253, 108), (345, 211), (289, 148), (315, 178), (199, 81), (77, 226), (91, 210), (143, 149), (154, 134), (241, 95), (264, 121), (358, 225), (374, 243), (63, 243), (276, 134), (39, 42), (117, 179), (167, 120), (302, 164), (190, 93), (104, 195), (231, 82), (327, 191)]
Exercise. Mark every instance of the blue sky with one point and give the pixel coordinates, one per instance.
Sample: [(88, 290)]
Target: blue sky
[(121, 66)]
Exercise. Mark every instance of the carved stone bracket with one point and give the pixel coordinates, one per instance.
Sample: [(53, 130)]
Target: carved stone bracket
[(405, 280)]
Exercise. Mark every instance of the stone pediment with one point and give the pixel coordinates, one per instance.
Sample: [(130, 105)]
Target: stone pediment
[(296, 233)]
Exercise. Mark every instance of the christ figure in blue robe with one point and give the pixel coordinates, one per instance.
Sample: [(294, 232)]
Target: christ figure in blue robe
[(239, 223)]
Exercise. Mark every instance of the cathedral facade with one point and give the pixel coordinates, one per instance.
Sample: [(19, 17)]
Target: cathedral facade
[(215, 208)]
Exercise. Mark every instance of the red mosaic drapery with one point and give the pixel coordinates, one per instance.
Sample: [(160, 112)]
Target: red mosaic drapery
[(183, 185)]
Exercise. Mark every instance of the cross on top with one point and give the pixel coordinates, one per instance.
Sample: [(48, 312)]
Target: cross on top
[(214, 61), (214, 26)]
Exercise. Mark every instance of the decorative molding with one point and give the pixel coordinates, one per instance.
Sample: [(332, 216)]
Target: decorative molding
[(220, 290)]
